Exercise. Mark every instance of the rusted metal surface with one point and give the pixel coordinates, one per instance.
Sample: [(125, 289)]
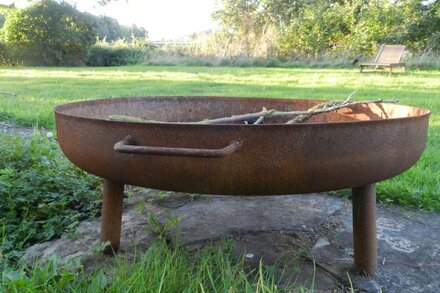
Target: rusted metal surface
[(330, 152), (111, 217), (364, 228), (349, 148), (127, 146)]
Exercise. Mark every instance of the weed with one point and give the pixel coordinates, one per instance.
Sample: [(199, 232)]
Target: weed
[(160, 230), (43, 195), (160, 269)]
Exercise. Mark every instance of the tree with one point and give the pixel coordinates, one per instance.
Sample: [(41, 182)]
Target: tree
[(282, 12), (110, 30), (243, 19), (48, 33), (311, 29)]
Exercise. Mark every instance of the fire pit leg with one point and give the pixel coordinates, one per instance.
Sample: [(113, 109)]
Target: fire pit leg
[(364, 228), (111, 215)]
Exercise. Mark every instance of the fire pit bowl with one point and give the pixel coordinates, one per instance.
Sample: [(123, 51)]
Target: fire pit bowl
[(350, 148)]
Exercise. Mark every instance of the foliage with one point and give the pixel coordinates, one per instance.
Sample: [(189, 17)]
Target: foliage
[(109, 29), (160, 230), (42, 194), (52, 276), (2, 19), (160, 269), (54, 33), (4, 56), (286, 30), (119, 53), (4, 10), (48, 33), (243, 20), (309, 29)]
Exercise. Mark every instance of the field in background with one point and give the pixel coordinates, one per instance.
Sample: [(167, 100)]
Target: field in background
[(40, 89)]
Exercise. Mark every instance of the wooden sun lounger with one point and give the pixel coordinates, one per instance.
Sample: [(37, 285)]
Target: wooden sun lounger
[(389, 56)]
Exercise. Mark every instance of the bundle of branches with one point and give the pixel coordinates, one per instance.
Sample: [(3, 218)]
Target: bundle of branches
[(258, 117)]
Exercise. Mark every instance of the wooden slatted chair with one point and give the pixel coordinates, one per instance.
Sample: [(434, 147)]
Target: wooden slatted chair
[(389, 56)]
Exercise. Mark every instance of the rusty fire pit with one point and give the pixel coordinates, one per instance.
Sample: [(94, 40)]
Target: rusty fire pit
[(349, 148)]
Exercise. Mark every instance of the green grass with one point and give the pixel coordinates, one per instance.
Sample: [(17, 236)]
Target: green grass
[(40, 89), (160, 269)]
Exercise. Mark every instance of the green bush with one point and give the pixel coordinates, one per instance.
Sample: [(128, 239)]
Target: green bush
[(47, 33), (4, 56), (434, 42), (117, 54), (42, 194)]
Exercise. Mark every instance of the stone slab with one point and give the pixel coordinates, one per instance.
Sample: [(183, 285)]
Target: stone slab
[(297, 229), (408, 252), (286, 251), (213, 217)]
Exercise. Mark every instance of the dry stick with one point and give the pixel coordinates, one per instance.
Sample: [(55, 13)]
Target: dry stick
[(337, 107), (235, 118), (302, 118), (223, 120), (8, 94), (126, 118), (273, 113), (260, 119), (257, 115), (350, 96)]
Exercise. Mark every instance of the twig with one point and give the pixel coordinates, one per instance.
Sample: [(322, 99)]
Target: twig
[(126, 118), (299, 116), (8, 94), (321, 106), (350, 96), (335, 107), (274, 113), (236, 118), (302, 118), (260, 119), (223, 120)]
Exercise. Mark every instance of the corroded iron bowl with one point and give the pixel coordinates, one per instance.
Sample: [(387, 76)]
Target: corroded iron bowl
[(348, 148)]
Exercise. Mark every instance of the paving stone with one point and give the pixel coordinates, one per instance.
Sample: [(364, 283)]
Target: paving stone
[(294, 229), (287, 252), (214, 217), (408, 252)]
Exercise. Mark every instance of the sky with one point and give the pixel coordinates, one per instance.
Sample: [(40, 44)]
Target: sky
[(163, 19)]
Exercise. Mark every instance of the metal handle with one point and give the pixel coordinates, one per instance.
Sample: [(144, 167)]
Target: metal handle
[(127, 146)]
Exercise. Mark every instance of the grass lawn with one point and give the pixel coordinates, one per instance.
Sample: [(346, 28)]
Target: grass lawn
[(40, 89)]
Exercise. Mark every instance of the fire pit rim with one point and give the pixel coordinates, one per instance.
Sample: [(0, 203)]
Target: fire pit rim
[(60, 111)]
